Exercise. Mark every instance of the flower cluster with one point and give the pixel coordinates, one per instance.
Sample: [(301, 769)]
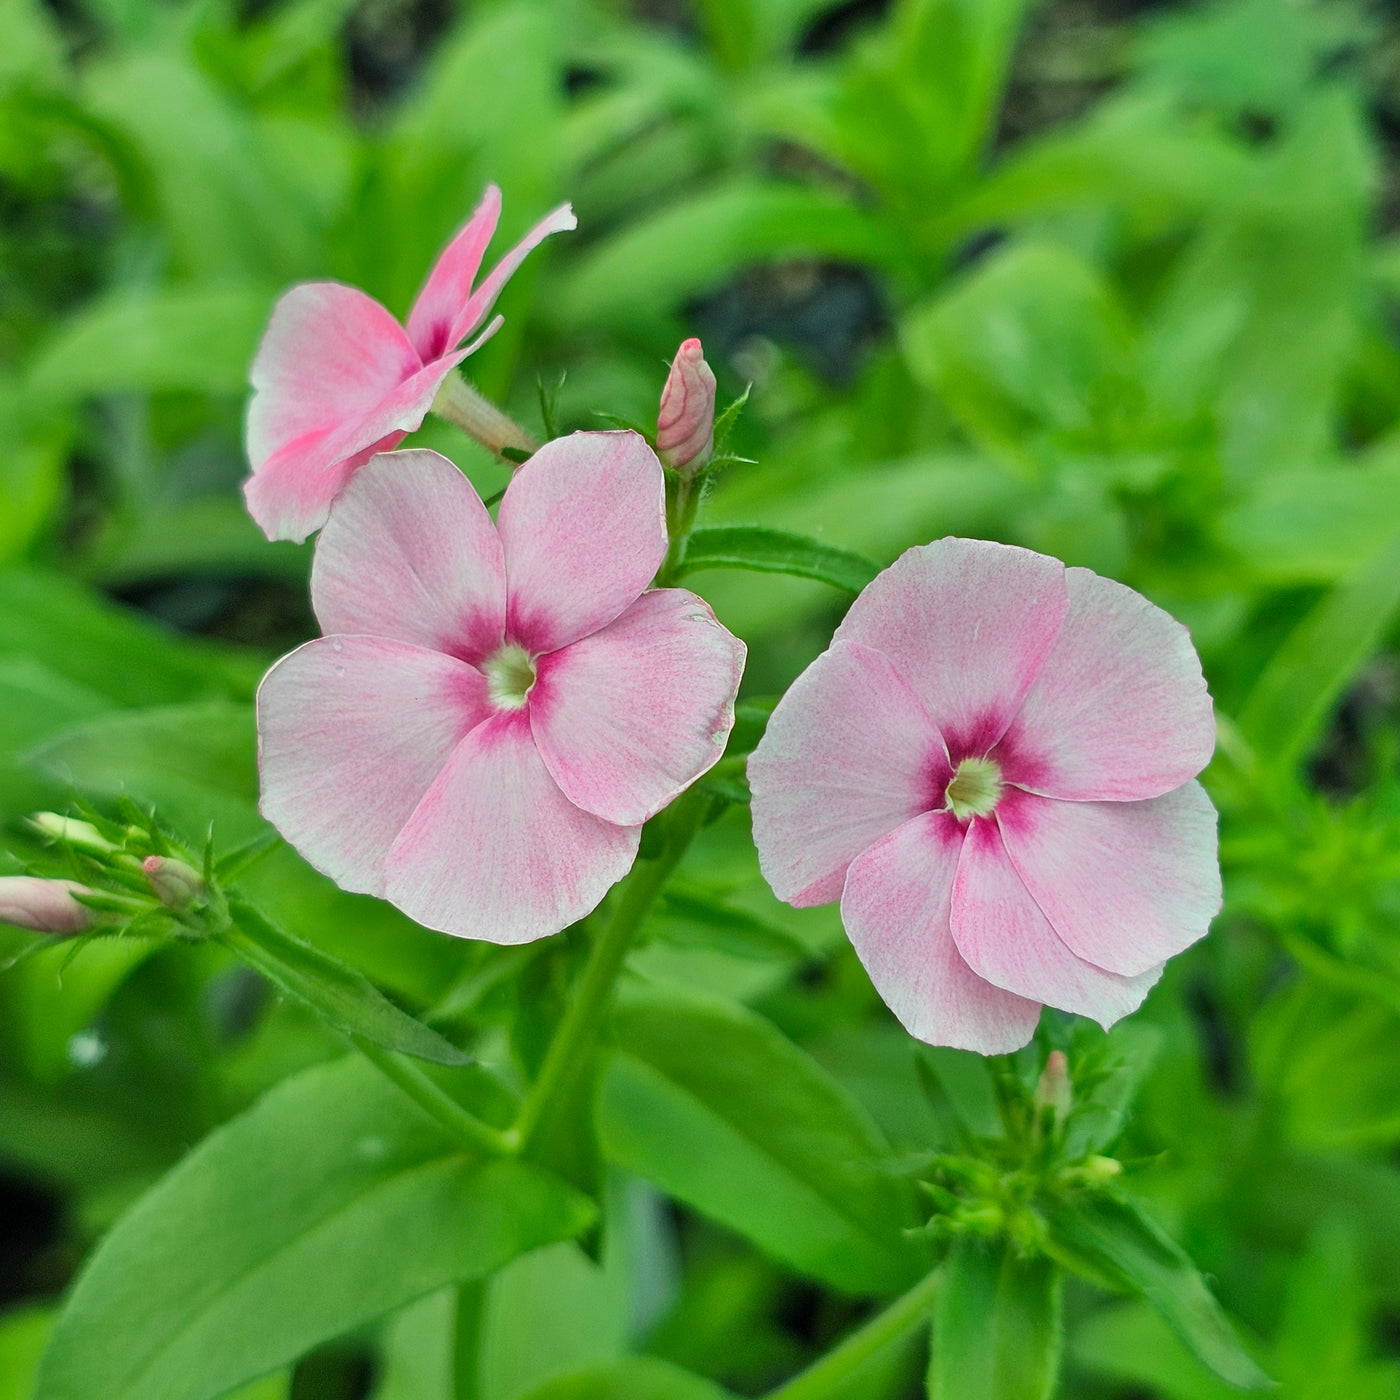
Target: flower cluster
[(991, 767)]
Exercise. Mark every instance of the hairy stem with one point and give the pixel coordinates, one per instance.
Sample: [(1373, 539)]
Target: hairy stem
[(460, 402), (839, 1365), (569, 1051), (682, 502), (435, 1101)]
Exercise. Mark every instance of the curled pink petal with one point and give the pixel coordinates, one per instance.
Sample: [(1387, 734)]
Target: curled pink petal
[(410, 552), (290, 495), (968, 625), (896, 906), (448, 286), (1007, 940), (1120, 709), (630, 716), (495, 851), (479, 304), (685, 423), (583, 524), (352, 731), (1126, 885), (43, 906), (849, 755)]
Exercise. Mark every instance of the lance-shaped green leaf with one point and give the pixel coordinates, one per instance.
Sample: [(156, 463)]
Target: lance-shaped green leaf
[(631, 1378), (997, 1325), (1110, 1240), (1299, 686), (331, 1202), (717, 1107), (765, 551), (340, 994)]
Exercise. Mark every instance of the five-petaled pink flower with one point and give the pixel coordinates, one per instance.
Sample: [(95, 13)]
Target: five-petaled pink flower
[(991, 769), (495, 709), (337, 379)]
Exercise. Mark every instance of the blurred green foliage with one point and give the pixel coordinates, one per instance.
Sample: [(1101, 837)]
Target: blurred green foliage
[(1123, 287)]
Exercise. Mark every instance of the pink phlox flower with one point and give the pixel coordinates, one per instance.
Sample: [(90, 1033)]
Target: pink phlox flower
[(337, 379), (991, 768), (495, 709)]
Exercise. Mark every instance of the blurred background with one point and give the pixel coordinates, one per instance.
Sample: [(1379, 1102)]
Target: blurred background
[(1116, 281)]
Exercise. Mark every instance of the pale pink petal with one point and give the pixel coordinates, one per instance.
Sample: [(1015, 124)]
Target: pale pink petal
[(496, 851), (329, 353), (849, 755), (685, 422), (630, 716), (410, 552), (895, 908), (478, 306), (352, 731), (968, 624), (1004, 936), (1119, 710), (291, 493), (1126, 885), (449, 284), (583, 523)]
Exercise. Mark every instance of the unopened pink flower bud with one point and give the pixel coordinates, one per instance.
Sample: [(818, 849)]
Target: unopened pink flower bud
[(1055, 1091), (46, 906), (685, 424), (176, 884)]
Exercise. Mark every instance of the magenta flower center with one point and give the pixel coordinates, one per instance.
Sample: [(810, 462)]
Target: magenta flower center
[(975, 789), (509, 675)]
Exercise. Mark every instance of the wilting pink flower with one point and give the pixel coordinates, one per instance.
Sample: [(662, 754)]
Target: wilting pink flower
[(685, 423), (337, 379), (990, 768), (46, 906), (495, 709)]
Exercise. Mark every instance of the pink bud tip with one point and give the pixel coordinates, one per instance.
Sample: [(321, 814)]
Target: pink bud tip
[(46, 906), (176, 885), (1054, 1090), (685, 425)]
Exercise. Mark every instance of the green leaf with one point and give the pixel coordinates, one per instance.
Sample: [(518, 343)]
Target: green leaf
[(191, 338), (24, 1333), (329, 1203), (1311, 669), (338, 993), (766, 551), (1110, 1238), (997, 1326), (633, 1378), (711, 1103)]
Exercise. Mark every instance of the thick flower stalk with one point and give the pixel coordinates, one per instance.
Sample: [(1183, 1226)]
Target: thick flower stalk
[(338, 379), (495, 708), (991, 769)]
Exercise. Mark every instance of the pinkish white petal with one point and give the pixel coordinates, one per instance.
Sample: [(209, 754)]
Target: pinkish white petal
[(1120, 709), (43, 906), (479, 304), (495, 851), (583, 523), (1005, 938), (410, 552), (291, 493), (330, 353), (630, 716), (1126, 885), (448, 286), (895, 908), (352, 731), (849, 755), (968, 625)]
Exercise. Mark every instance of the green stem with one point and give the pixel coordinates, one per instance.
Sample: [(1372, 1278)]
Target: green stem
[(435, 1101), (466, 1340), (682, 503), (461, 403), (843, 1363), (568, 1052)]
